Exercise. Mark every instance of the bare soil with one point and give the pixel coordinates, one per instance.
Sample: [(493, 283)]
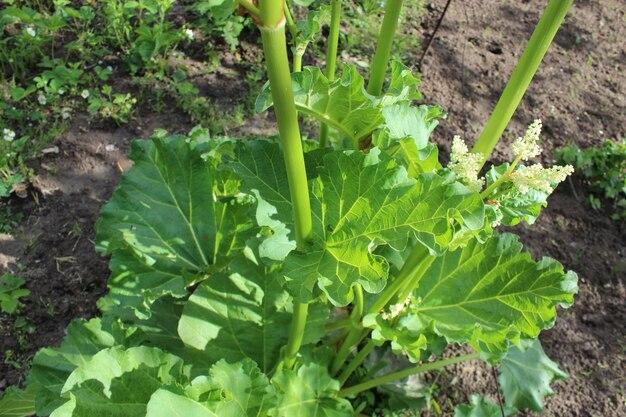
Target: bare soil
[(579, 95)]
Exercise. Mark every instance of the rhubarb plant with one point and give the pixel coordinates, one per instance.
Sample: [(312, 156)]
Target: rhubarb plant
[(256, 277)]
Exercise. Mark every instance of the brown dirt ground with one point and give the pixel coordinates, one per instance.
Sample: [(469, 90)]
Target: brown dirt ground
[(579, 94)]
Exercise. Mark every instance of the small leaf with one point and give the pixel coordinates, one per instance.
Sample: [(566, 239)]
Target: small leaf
[(343, 103), (309, 392), (17, 403), (403, 85), (513, 207), (310, 29), (480, 406), (526, 374)]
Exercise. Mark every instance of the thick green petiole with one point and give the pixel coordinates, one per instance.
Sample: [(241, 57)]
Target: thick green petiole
[(358, 360), (523, 74), (331, 56), (275, 49), (350, 391), (383, 48)]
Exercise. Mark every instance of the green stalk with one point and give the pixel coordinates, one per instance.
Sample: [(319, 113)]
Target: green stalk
[(291, 24), (383, 49), (385, 379), (416, 276), (358, 360), (357, 312), (331, 56), (503, 178), (275, 50), (297, 61), (418, 254), (250, 7), (523, 74)]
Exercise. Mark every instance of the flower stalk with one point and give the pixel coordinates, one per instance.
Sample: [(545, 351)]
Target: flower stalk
[(331, 56), (523, 74), (383, 48), (385, 379)]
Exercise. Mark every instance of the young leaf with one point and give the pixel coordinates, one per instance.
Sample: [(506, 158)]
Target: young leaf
[(244, 314), (480, 406), (343, 103), (403, 86), (11, 292), (309, 392), (361, 201), (231, 390), (405, 134), (310, 29), (512, 206), (151, 258), (17, 403), (491, 294), (526, 374)]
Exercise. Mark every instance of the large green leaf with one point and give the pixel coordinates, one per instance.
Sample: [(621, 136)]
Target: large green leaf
[(17, 403), (491, 294), (308, 392), (526, 374), (360, 201), (244, 314), (164, 226)]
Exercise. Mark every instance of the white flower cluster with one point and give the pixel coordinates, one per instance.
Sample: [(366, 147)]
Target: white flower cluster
[(8, 135), (84, 94), (31, 31), (66, 113), (396, 309), (536, 177), (189, 34), (42, 99), (466, 165), (528, 147)]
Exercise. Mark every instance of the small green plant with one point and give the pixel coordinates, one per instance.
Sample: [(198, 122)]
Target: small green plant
[(603, 169), (11, 291), (257, 277), (109, 105)]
